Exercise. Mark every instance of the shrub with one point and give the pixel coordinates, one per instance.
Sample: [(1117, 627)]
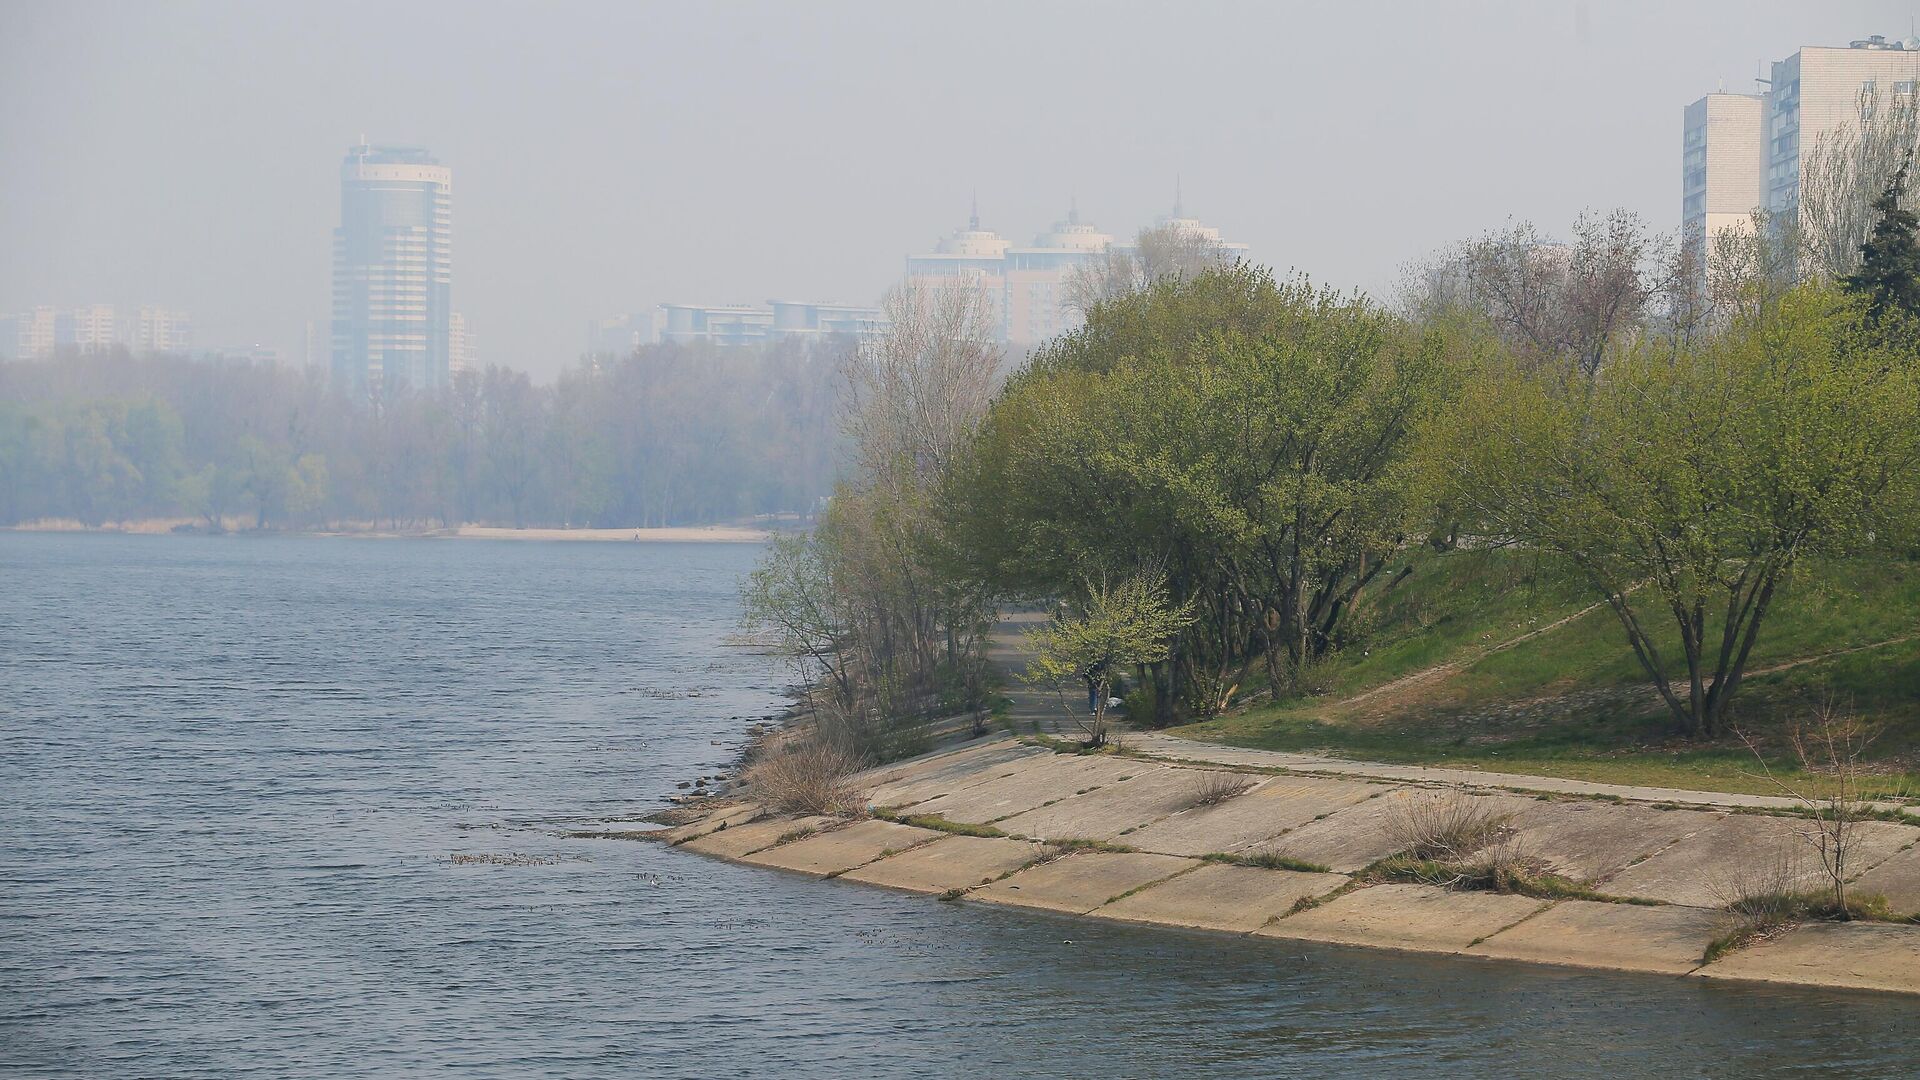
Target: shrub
[(1444, 827), (1215, 786), (810, 777)]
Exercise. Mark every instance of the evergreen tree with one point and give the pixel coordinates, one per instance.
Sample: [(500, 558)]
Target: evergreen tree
[(1889, 274)]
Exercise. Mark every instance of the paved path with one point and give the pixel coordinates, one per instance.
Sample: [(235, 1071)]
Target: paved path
[(1030, 707)]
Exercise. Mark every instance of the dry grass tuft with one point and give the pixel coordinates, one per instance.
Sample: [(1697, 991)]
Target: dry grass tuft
[(1445, 826), (1215, 786), (806, 778)]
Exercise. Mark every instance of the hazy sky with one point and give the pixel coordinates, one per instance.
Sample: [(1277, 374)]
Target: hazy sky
[(608, 156)]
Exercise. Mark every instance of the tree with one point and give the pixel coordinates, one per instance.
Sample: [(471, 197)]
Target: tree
[(1889, 274), (1689, 486), (1246, 436), (1845, 173), (1570, 305), (1164, 251), (1118, 624)]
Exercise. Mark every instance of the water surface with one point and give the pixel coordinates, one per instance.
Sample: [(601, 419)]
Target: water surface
[(235, 775)]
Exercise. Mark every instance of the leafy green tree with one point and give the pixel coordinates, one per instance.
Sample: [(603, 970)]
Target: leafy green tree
[(1687, 487), (1247, 436), (1889, 274), (1119, 624)]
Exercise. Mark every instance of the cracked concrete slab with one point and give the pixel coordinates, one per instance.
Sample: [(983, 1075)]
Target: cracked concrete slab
[(1347, 839), (1588, 840), (843, 849), (954, 862), (1867, 956), (1616, 937), (1144, 794), (1415, 918), (1243, 822), (735, 842), (1219, 896), (725, 817), (928, 777), (1747, 853), (1080, 882), (1897, 879), (1025, 785)]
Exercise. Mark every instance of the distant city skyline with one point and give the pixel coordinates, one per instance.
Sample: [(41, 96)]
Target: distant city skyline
[(767, 151)]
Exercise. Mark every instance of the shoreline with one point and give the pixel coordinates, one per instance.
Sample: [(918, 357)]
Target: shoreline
[(1293, 857), (680, 534)]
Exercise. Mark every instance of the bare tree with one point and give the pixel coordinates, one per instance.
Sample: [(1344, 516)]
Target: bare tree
[(1165, 251), (1555, 303), (1846, 170), (916, 392), (1831, 752)]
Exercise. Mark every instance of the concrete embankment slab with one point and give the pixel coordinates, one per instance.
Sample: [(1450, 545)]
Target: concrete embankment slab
[(1586, 840), (953, 862), (1747, 853), (1897, 879), (1417, 918), (1026, 785), (738, 841), (1247, 820), (1347, 839), (1218, 896), (1143, 794), (843, 849), (1868, 956), (1080, 882), (724, 818), (925, 778), (1618, 937)]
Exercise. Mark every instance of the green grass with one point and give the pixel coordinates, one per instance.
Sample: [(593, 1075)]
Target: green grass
[(1266, 860), (1573, 702), (938, 824)]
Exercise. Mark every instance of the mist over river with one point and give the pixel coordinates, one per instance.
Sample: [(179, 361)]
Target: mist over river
[(242, 781)]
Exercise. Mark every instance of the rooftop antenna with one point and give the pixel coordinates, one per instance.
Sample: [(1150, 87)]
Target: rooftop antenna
[(973, 219), (1177, 210), (1073, 208)]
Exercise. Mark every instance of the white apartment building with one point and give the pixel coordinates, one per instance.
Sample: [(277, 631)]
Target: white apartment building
[(159, 329), (1026, 288), (28, 335), (460, 355), (89, 329), (1742, 152)]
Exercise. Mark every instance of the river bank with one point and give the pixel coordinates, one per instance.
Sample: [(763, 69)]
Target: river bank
[(1295, 856)]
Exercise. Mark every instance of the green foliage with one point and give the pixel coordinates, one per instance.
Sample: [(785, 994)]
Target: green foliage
[(1120, 624), (1688, 484), (1246, 435), (1889, 274)]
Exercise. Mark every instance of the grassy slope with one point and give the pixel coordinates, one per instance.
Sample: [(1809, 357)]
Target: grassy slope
[(1573, 702)]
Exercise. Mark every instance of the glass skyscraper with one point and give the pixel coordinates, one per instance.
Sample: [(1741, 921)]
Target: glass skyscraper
[(393, 269)]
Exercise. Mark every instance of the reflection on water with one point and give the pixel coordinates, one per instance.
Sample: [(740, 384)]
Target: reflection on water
[(235, 776)]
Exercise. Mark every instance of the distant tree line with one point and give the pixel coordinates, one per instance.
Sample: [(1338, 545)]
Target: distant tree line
[(668, 435)]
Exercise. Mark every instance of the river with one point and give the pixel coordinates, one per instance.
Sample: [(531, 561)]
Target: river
[(294, 807)]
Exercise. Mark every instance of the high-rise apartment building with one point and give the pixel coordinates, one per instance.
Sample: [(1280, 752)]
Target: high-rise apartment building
[(28, 335), (162, 330), (393, 269), (1746, 152), (90, 329), (460, 355)]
